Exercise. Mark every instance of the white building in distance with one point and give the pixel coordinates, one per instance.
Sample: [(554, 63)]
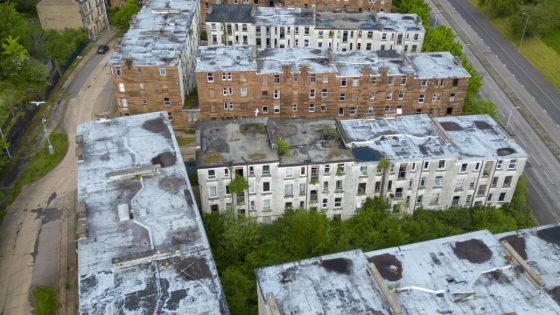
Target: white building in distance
[(299, 27), (333, 166)]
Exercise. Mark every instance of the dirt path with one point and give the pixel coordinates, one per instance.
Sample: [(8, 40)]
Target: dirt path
[(30, 235)]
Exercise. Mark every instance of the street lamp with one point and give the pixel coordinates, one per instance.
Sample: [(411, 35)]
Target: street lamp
[(51, 148), (509, 116), (524, 28), (6, 146), (43, 121)]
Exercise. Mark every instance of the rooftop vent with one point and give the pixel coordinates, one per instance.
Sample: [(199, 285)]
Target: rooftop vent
[(124, 212)]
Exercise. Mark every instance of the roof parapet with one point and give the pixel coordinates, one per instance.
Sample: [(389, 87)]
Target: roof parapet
[(388, 296), (519, 260), (149, 170), (442, 133), (272, 304)]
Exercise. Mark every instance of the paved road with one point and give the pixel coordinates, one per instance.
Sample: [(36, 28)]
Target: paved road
[(535, 83), (543, 169), (33, 233)]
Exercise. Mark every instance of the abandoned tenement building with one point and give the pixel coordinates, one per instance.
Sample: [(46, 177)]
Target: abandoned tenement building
[(241, 82), (334, 165)]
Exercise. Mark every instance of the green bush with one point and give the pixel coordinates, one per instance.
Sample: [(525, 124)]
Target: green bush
[(283, 145), (45, 301), (39, 165), (241, 246)]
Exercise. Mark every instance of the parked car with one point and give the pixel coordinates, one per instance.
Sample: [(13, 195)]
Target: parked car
[(102, 49)]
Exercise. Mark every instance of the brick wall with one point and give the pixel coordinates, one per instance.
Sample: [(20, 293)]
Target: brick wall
[(146, 90), (297, 90)]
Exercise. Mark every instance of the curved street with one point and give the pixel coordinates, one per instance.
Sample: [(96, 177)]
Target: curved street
[(35, 228)]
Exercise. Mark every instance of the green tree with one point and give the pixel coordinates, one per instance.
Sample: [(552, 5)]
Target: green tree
[(542, 18), (480, 106), (61, 45), (383, 165), (11, 48), (13, 23), (441, 38), (501, 7), (283, 145), (240, 290), (306, 234), (121, 18), (413, 6)]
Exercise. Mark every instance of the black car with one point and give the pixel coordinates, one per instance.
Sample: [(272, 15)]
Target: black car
[(102, 49)]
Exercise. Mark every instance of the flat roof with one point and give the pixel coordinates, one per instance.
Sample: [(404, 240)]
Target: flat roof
[(271, 61), (330, 284), (327, 140), (476, 136), (310, 141), (540, 246), (264, 16), (289, 16), (144, 249), (158, 33), (416, 137), (437, 64), (255, 140), (225, 142), (230, 13), (463, 274), (225, 58), (322, 60), (467, 274)]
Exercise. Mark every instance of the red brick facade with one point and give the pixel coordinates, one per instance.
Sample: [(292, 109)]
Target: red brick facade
[(145, 89), (302, 96)]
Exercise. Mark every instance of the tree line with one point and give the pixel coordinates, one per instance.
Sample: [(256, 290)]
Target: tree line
[(544, 15), (25, 50), (240, 245)]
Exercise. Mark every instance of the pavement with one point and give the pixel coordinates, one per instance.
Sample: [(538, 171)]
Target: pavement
[(34, 233), (493, 57)]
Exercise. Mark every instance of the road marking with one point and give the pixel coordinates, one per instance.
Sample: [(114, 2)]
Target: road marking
[(550, 180), (536, 161)]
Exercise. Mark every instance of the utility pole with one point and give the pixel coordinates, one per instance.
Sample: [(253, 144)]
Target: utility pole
[(5, 144), (524, 28), (51, 148)]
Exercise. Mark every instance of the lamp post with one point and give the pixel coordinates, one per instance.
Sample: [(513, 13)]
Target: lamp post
[(51, 148), (43, 121), (509, 116), (524, 28), (5, 144)]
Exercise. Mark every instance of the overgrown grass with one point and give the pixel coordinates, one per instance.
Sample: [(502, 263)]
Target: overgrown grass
[(543, 54), (45, 300), (185, 140), (41, 163), (191, 101), (552, 40)]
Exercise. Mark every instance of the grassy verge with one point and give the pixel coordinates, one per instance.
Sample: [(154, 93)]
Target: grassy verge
[(552, 40), (39, 165), (191, 101), (185, 140), (542, 53), (45, 300)]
